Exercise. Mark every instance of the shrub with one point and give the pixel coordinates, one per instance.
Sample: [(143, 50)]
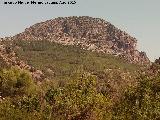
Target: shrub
[(141, 102), (9, 111), (15, 82), (79, 99)]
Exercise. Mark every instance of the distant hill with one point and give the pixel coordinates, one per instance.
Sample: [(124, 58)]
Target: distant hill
[(89, 33)]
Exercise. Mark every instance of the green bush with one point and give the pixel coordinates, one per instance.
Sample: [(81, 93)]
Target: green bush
[(9, 111), (79, 99), (15, 82), (141, 102)]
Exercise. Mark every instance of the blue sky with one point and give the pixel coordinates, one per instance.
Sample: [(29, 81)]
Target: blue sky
[(139, 18)]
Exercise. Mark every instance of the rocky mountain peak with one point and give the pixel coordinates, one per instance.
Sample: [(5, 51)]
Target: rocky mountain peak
[(89, 33)]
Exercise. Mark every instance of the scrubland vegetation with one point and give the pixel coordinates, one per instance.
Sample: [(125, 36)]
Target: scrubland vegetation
[(79, 85), (79, 99)]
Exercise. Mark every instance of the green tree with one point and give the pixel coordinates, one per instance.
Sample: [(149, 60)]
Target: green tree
[(79, 99), (141, 102)]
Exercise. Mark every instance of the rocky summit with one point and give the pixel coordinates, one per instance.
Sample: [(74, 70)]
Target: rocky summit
[(88, 33)]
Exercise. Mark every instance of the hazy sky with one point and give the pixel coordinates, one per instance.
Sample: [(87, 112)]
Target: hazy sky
[(139, 18)]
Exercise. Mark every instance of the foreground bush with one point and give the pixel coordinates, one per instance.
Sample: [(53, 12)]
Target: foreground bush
[(15, 82), (9, 111), (76, 100), (79, 100), (141, 102)]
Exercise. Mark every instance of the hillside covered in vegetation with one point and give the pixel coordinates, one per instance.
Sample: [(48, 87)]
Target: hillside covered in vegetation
[(100, 76)]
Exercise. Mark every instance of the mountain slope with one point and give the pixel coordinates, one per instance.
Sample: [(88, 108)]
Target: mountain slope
[(36, 53), (89, 33), (9, 58), (61, 63)]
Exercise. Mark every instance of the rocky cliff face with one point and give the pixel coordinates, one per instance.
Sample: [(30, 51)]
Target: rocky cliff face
[(89, 33)]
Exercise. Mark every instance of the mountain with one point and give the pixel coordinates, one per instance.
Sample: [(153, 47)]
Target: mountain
[(77, 68), (59, 48), (89, 33), (56, 48)]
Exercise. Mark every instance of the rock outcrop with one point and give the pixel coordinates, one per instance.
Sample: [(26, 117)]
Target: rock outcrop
[(89, 33), (157, 61), (8, 58)]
